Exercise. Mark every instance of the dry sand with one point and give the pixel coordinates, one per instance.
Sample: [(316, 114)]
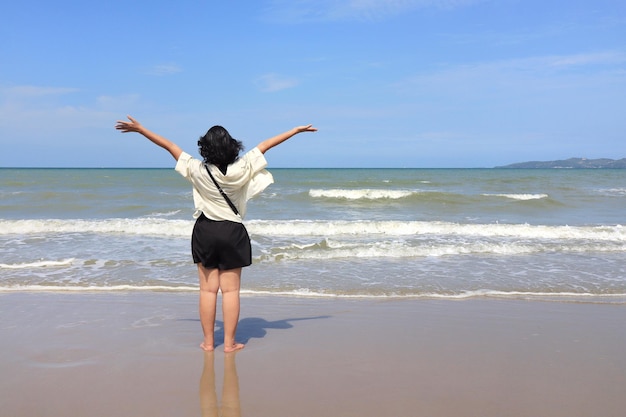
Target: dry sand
[(137, 354)]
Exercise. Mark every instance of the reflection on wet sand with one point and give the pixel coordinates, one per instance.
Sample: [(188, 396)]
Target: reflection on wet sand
[(230, 406)]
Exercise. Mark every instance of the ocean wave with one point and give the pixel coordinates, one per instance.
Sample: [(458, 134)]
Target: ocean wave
[(428, 248), (613, 192), (432, 195), (142, 226), (313, 228), (93, 288), (38, 264), (400, 228), (522, 197), (361, 194), (461, 295), (166, 214)]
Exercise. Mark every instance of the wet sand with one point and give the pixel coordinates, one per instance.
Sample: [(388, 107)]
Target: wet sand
[(137, 354)]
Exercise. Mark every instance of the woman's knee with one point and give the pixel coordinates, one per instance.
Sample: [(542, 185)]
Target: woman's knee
[(230, 280), (209, 279)]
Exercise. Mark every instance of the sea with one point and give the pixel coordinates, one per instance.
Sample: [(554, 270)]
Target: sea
[(555, 234)]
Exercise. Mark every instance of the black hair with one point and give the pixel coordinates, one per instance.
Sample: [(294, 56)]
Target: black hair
[(217, 147)]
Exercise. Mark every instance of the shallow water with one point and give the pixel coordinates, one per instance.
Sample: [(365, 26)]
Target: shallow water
[(443, 233)]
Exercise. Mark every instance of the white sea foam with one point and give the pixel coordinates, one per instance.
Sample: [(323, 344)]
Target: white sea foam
[(428, 248), (38, 264), (308, 293), (94, 288), (522, 197), (399, 228), (304, 228), (613, 192), (361, 194), (166, 214), (389, 194), (142, 226), (563, 296)]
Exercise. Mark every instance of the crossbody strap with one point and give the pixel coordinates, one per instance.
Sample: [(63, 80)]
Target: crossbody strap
[(230, 203)]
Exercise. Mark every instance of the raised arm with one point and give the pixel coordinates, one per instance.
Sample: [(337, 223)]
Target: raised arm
[(135, 126), (268, 144)]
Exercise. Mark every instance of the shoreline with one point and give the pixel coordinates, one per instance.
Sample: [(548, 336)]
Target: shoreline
[(469, 295), (138, 354)]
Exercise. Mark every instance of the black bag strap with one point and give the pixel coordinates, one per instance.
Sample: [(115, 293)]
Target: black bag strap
[(230, 203)]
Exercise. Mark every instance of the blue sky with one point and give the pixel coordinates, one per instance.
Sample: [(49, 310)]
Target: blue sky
[(395, 83)]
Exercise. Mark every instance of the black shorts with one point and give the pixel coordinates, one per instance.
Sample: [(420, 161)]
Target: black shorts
[(220, 244)]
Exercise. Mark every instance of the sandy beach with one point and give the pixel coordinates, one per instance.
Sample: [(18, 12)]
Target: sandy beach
[(137, 354)]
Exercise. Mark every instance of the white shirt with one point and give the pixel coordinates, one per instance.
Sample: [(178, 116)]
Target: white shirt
[(244, 179)]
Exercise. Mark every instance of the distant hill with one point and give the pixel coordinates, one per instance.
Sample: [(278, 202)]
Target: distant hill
[(572, 163)]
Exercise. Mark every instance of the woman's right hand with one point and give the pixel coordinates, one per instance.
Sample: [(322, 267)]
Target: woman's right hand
[(307, 128)]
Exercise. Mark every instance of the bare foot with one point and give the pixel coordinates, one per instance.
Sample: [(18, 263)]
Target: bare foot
[(206, 348), (233, 348)]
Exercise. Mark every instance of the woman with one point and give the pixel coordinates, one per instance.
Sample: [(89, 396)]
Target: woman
[(220, 242)]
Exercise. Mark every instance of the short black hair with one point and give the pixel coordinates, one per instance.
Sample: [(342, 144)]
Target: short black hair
[(217, 147)]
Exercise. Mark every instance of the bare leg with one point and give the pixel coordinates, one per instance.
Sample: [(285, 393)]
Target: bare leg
[(230, 393), (230, 283), (208, 393), (209, 286)]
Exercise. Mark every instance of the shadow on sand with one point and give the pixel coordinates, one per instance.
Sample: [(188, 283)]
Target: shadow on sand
[(256, 327)]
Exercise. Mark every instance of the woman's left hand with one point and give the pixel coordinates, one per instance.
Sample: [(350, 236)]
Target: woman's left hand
[(125, 127)]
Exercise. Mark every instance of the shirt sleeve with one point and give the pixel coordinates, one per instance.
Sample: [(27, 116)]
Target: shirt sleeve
[(183, 165), (261, 178)]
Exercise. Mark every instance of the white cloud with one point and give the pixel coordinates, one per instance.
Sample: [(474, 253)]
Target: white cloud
[(24, 109), (112, 102), (31, 91), (164, 69), (269, 83), (579, 60), (521, 74), (335, 10)]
